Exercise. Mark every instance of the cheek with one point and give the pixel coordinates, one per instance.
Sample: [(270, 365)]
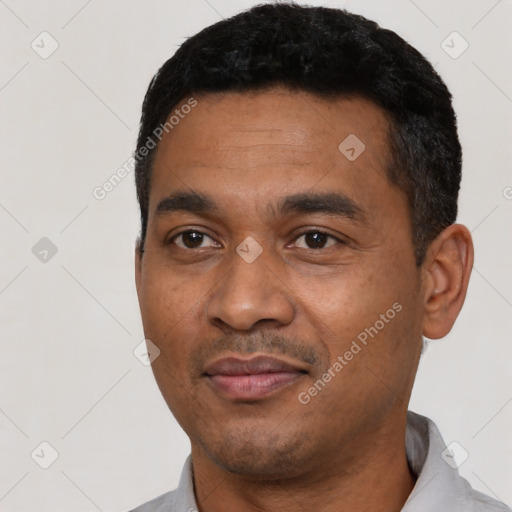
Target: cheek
[(169, 313), (346, 303), (164, 296)]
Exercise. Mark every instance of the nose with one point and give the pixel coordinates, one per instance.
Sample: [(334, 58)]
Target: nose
[(250, 295)]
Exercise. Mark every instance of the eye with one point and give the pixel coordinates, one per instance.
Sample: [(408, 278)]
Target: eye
[(192, 239), (316, 240)]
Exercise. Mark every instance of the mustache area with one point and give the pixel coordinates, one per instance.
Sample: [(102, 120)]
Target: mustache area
[(261, 342)]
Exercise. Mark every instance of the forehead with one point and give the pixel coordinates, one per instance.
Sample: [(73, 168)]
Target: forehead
[(265, 142)]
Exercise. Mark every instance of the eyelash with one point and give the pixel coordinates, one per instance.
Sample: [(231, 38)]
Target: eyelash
[(311, 231)]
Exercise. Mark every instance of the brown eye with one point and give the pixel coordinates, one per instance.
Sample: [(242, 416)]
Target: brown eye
[(316, 240), (192, 240)]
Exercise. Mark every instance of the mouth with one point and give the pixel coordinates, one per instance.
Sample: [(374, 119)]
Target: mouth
[(252, 379)]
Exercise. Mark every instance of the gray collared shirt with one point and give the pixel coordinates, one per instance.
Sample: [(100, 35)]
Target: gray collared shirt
[(438, 488)]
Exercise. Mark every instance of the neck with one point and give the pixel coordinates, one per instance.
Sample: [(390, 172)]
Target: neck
[(374, 477)]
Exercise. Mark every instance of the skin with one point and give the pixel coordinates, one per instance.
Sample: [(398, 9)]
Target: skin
[(304, 303)]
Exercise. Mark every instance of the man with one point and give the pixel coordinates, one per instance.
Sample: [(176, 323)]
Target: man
[(297, 172)]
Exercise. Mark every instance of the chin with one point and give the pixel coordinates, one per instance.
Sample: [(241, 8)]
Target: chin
[(267, 455)]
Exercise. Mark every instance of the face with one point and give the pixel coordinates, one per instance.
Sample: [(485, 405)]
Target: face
[(279, 281)]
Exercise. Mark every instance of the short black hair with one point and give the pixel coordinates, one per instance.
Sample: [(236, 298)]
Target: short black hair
[(330, 53)]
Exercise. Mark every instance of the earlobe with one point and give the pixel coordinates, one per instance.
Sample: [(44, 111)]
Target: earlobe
[(448, 267)]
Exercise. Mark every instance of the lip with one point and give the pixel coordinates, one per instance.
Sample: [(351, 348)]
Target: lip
[(251, 379)]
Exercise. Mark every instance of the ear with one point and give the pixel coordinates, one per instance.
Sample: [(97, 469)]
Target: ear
[(138, 264), (447, 268)]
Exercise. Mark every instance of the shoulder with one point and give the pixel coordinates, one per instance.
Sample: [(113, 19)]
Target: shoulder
[(162, 503), (180, 500), (439, 485), (483, 503)]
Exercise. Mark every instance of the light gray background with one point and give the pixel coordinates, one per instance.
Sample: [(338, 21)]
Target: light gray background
[(70, 324)]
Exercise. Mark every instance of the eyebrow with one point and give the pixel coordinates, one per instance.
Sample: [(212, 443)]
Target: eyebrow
[(193, 202), (331, 203)]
